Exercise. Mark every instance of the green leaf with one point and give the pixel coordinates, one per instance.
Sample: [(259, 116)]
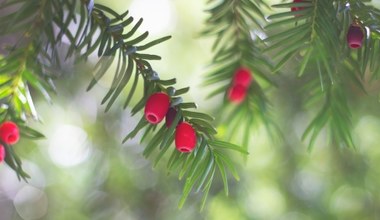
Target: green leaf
[(147, 56), (186, 164), (108, 10), (133, 30), (15, 163), (153, 43), (204, 124), (197, 115), (168, 82), (140, 105), (290, 32), (280, 23), (138, 39), (210, 166), (181, 91), (222, 171), (303, 12), (283, 61), (123, 83), (105, 39), (305, 61), (187, 105), (126, 22), (228, 162), (173, 158), (120, 69), (155, 141), (226, 145), (186, 191), (101, 67), (133, 89), (194, 173), (250, 5), (207, 188), (111, 51), (30, 133), (200, 155), (142, 123), (178, 160), (169, 132), (147, 132), (163, 151)]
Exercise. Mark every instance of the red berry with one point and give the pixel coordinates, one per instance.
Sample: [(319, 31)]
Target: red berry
[(242, 77), (236, 93), (185, 137), (156, 107), (2, 153), (297, 8), (9, 132), (355, 36), (170, 115)]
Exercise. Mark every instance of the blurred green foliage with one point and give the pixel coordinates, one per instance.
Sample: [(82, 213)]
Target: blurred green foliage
[(82, 171)]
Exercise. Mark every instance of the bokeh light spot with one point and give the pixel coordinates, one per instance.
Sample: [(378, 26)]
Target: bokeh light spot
[(31, 203), (69, 146), (158, 15)]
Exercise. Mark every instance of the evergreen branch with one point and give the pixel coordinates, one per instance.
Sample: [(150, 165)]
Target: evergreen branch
[(200, 171), (15, 163), (232, 23), (199, 167), (315, 35), (32, 23), (114, 41), (368, 17), (335, 113), (117, 36), (34, 60), (320, 26), (313, 20), (12, 112)]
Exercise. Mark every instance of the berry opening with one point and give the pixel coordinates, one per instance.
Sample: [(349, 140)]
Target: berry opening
[(184, 150), (355, 45), (152, 118)]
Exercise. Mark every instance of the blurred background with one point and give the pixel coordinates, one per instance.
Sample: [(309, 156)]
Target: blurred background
[(82, 171)]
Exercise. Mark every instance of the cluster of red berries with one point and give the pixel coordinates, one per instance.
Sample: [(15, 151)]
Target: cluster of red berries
[(240, 84), (355, 33), (157, 108), (9, 134)]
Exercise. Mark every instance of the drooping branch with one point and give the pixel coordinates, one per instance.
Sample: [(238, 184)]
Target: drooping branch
[(236, 26), (41, 26)]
